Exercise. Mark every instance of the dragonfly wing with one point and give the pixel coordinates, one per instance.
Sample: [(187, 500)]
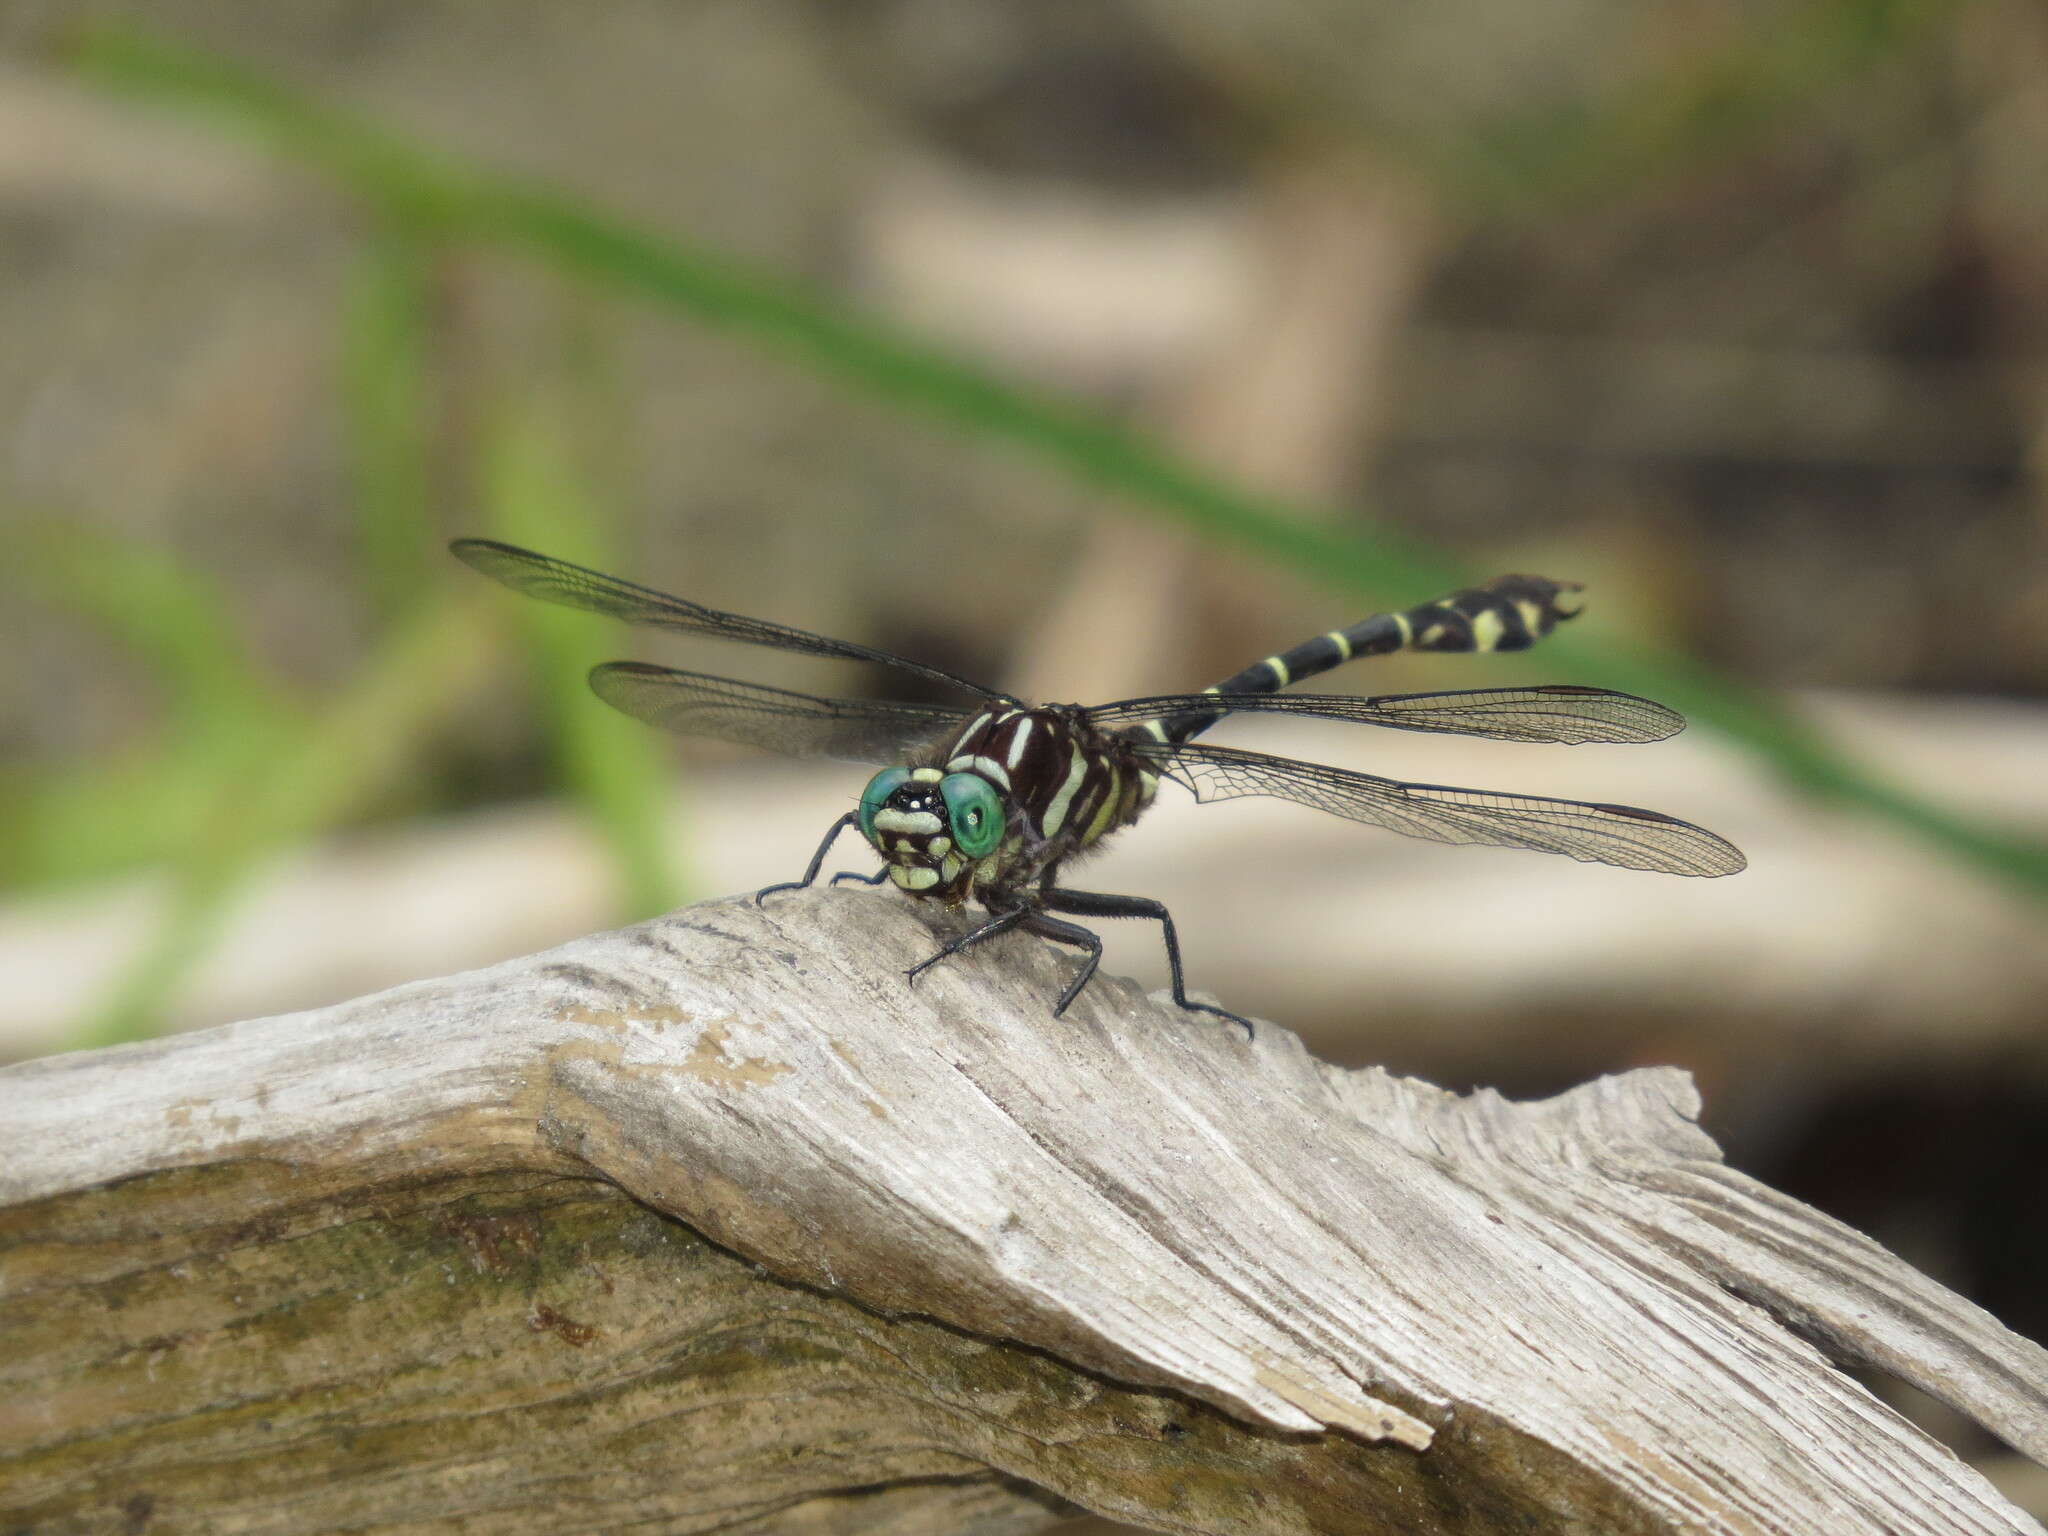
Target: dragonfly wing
[(574, 586), (774, 719), (1590, 832), (1555, 712)]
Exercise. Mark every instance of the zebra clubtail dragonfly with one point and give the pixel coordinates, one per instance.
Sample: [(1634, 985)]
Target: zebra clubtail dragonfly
[(986, 801)]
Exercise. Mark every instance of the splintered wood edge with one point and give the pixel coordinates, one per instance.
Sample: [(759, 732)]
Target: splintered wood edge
[(1137, 1191)]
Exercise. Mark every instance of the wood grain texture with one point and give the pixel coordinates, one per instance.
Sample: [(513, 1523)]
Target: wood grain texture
[(968, 1267)]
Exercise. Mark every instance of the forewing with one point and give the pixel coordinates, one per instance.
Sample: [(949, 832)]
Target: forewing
[(1590, 832), (574, 586), (774, 719), (1556, 712)]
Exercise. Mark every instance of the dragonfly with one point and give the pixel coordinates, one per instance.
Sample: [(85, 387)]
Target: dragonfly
[(986, 801)]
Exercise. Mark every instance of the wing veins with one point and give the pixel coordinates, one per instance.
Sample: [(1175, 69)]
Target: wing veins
[(1589, 831), (1558, 713), (574, 586), (774, 719)]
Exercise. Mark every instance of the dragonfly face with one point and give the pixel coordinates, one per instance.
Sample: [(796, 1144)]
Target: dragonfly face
[(937, 830), (996, 802)]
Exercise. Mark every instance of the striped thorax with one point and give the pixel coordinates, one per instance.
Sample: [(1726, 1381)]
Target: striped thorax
[(1010, 794)]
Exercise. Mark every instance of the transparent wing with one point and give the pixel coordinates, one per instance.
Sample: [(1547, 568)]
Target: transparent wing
[(1592, 833), (1555, 712), (693, 704), (574, 586)]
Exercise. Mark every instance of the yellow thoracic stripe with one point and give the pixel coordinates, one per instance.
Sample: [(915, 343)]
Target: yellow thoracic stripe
[(1099, 823), (987, 767), (980, 722), (1077, 770), (1018, 741)]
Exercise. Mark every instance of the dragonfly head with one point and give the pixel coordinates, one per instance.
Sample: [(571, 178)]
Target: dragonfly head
[(931, 826)]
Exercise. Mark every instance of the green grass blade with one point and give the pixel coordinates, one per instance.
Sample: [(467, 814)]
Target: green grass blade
[(611, 765), (457, 201), (360, 741), (220, 713), (385, 391)]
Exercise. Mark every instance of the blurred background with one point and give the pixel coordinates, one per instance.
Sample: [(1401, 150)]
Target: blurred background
[(1090, 349)]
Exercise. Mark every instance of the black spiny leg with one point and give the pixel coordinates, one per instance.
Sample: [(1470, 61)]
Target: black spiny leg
[(848, 877), (817, 860), (1096, 904), (1069, 933), (1002, 922)]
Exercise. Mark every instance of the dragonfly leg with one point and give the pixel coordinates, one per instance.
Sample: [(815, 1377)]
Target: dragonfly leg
[(817, 860), (1069, 933), (1002, 922), (848, 877), (1097, 904)]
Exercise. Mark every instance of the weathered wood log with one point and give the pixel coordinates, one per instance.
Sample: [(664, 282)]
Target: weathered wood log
[(715, 1222)]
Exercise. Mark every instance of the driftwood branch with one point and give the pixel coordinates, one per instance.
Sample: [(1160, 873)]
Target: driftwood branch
[(715, 1222)]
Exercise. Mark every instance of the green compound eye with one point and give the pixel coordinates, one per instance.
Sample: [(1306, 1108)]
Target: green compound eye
[(876, 795), (974, 810)]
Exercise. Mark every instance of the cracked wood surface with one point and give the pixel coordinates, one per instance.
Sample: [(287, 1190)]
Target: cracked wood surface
[(969, 1268)]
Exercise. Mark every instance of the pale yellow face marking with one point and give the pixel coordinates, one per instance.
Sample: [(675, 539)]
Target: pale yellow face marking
[(1056, 813), (916, 878), (939, 847), (1338, 638), (908, 821), (925, 775), (951, 866), (1487, 629)]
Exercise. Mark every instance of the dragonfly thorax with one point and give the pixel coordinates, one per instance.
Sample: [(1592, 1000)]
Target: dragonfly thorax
[(1005, 797)]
